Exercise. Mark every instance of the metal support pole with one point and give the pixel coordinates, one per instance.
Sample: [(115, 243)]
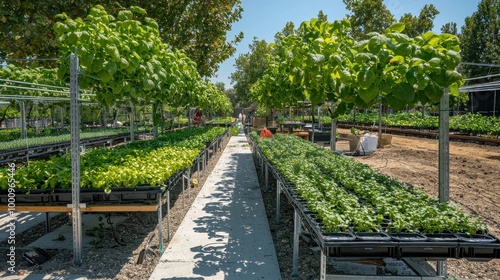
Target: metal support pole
[(168, 215), (183, 188), (278, 201), (24, 134), (160, 225), (333, 136), (319, 118), (47, 222), (261, 165), (75, 161), (204, 161), (313, 126), (266, 177), (132, 122), (189, 182), (379, 122), (198, 162), (155, 120), (322, 268), (444, 160), (296, 234)]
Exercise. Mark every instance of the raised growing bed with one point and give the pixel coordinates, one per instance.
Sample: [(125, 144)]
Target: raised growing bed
[(349, 243)]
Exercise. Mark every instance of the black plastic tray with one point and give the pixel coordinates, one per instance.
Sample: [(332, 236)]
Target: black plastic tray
[(441, 237), (408, 237), (477, 238), (372, 236)]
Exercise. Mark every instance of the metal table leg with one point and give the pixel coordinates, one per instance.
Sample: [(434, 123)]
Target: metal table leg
[(278, 201), (168, 215), (322, 268), (266, 176), (296, 234), (160, 225)]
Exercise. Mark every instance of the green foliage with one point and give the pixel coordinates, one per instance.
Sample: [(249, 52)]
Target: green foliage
[(323, 62), (36, 75), (368, 16), (479, 40), (250, 67), (139, 163), (44, 140), (11, 134), (125, 59), (199, 28), (424, 22), (346, 194), (470, 124)]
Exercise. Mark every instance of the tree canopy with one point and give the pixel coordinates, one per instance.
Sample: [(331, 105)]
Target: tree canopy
[(479, 38), (250, 67), (199, 28)]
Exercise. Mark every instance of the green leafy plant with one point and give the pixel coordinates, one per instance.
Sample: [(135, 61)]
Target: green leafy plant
[(347, 194)]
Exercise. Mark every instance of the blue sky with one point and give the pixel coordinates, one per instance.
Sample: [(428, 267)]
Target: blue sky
[(263, 18)]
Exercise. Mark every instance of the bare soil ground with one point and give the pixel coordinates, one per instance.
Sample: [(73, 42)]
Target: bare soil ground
[(474, 184)]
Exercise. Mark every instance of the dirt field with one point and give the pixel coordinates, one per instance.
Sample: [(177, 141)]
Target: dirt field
[(474, 184)]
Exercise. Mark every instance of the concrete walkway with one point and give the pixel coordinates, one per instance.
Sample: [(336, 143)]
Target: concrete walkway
[(225, 234)]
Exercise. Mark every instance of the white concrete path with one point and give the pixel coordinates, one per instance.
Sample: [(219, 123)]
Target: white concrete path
[(225, 234)]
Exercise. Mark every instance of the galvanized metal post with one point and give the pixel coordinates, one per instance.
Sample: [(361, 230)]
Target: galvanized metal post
[(24, 134), (47, 222), (168, 215), (75, 161), (278, 201), (198, 162), (296, 234), (160, 225), (266, 177), (313, 126), (132, 122), (189, 182), (333, 136), (379, 122), (322, 268), (444, 160)]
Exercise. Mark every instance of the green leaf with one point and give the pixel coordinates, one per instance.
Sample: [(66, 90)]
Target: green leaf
[(345, 76), (125, 15), (375, 44), (397, 28), (148, 85), (403, 91), (397, 60), (138, 10), (368, 94), (366, 77), (316, 58), (105, 76), (403, 49), (452, 77), (435, 62), (433, 91), (395, 103)]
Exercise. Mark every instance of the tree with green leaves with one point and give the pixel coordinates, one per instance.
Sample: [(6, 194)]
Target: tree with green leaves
[(249, 68), (450, 28), (424, 22), (199, 28), (479, 38), (324, 62), (368, 16)]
